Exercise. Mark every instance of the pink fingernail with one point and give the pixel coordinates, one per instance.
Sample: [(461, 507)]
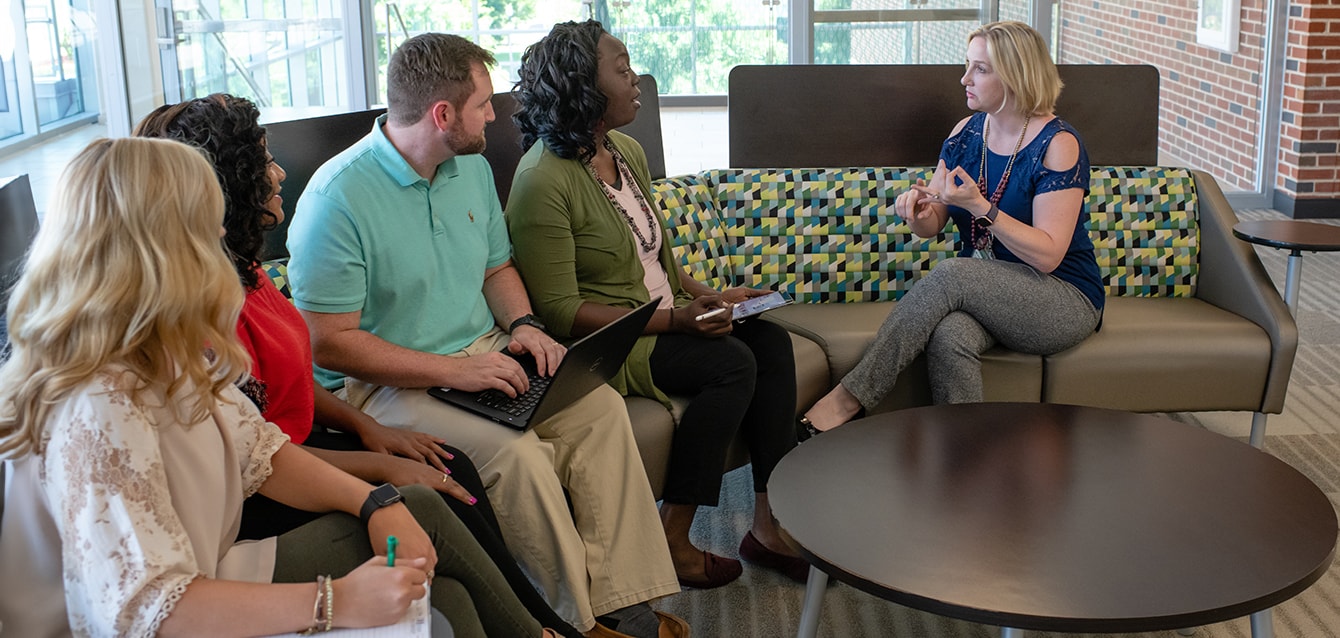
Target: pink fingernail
[(448, 471), (473, 500)]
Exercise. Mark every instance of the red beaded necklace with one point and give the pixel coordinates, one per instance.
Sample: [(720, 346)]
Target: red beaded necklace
[(981, 233)]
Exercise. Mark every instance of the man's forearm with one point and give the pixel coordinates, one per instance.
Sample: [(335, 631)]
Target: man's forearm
[(365, 356), (506, 294)]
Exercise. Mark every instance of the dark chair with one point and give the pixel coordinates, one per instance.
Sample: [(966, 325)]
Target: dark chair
[(504, 149), (18, 225), (899, 115), (301, 147)]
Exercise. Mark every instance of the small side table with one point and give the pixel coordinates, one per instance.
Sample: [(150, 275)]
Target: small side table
[(1294, 236)]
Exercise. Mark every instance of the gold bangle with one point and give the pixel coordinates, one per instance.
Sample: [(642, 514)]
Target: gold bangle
[(317, 609)]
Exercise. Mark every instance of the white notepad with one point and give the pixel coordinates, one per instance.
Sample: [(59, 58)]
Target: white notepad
[(416, 623)]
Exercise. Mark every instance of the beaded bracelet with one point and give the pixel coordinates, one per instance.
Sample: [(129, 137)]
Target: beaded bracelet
[(330, 603)]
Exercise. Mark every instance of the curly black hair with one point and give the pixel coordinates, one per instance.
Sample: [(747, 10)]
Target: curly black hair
[(558, 100), (227, 128)]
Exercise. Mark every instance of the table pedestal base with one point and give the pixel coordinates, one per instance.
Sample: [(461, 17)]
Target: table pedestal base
[(1263, 625), (815, 587)]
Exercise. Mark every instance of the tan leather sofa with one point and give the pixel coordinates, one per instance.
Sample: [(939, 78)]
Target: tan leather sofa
[(1215, 335)]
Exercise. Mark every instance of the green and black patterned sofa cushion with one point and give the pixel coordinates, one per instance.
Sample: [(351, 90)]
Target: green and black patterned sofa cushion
[(830, 235), (277, 271), (695, 228), (1143, 223)]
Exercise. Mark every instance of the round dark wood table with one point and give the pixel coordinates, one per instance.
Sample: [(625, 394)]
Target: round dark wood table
[(1052, 517), (1294, 236)]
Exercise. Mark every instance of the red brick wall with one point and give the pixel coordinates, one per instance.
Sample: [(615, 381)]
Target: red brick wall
[(1309, 166), (1209, 98)]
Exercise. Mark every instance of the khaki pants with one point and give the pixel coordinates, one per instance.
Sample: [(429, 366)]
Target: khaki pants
[(609, 550)]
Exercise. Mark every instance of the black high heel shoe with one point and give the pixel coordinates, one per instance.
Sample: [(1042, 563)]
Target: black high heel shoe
[(805, 430)]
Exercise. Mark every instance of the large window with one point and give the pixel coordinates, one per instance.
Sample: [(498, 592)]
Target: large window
[(893, 31), (691, 45), (504, 27), (47, 68), (288, 56)]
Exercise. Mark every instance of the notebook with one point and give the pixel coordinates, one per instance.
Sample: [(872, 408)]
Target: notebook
[(588, 363)]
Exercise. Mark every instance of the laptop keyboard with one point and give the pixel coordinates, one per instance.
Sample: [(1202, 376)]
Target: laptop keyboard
[(522, 403)]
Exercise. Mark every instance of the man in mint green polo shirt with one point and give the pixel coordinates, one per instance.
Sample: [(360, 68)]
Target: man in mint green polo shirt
[(402, 268)]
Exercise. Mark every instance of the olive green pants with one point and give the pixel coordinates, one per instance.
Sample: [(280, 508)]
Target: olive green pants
[(467, 587)]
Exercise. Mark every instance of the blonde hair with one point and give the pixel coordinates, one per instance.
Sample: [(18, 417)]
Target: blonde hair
[(1019, 55), (127, 269)]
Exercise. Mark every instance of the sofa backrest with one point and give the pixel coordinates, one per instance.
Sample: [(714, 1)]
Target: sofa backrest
[(899, 114), (830, 235)]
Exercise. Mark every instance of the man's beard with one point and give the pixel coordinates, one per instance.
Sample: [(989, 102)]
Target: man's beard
[(461, 145)]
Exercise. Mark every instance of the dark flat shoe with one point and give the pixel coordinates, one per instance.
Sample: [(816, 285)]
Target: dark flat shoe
[(793, 567), (719, 571)]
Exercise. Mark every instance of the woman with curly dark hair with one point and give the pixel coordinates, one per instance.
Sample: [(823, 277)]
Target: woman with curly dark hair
[(227, 128), (590, 248)]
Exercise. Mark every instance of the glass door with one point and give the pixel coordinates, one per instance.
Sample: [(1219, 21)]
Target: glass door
[(895, 31), (287, 56)]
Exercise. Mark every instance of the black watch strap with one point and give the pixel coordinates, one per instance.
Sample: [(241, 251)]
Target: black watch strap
[(527, 320), (381, 496)]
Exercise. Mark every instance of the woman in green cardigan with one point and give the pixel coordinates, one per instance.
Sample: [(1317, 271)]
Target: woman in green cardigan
[(591, 247)]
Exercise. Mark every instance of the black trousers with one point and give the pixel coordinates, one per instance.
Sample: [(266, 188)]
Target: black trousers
[(744, 382), (263, 517)]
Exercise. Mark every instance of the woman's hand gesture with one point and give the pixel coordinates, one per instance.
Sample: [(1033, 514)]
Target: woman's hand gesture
[(916, 203)]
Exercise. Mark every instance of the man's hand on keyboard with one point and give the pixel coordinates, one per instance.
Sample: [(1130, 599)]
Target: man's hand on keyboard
[(547, 352), (493, 370)]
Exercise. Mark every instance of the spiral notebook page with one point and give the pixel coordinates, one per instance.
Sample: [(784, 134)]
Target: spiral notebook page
[(417, 623)]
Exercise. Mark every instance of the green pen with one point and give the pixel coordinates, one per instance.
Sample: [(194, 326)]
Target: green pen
[(390, 550)]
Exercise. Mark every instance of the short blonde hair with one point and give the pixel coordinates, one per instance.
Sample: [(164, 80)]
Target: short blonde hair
[(1019, 55), (127, 269)]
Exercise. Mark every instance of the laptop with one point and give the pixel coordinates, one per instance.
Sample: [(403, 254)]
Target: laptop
[(588, 363)]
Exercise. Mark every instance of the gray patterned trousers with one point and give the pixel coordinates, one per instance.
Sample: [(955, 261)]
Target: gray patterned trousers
[(958, 311)]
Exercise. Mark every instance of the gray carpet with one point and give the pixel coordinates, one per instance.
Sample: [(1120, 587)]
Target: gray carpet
[(763, 604)]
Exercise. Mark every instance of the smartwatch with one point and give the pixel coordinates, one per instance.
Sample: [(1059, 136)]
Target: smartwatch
[(990, 216), (382, 496), (527, 320)]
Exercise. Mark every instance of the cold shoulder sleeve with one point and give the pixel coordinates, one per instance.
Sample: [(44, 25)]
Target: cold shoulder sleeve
[(1076, 176), (127, 558)]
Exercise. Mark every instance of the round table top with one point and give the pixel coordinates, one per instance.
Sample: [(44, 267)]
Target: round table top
[(1290, 234), (1051, 517)]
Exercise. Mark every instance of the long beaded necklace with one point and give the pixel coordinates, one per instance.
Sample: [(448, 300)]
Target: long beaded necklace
[(647, 243), (981, 234)]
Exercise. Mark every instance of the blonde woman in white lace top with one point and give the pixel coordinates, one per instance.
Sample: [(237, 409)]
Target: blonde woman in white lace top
[(128, 453)]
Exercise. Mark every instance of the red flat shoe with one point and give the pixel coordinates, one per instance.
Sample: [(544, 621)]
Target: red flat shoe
[(719, 571), (793, 567)]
